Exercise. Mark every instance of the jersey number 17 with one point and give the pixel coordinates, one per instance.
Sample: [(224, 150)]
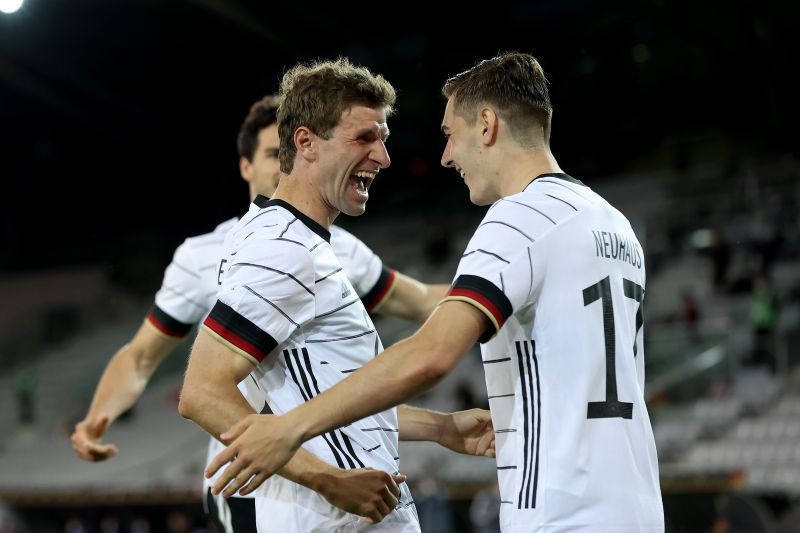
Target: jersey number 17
[(612, 407)]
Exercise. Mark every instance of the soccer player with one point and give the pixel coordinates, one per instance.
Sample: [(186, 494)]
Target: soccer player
[(287, 313), (186, 296), (551, 284)]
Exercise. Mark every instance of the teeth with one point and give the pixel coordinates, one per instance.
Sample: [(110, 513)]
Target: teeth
[(461, 172), (365, 174)]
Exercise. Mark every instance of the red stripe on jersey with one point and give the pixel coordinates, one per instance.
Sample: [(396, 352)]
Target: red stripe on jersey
[(233, 338), (384, 290), (481, 299), (163, 328)]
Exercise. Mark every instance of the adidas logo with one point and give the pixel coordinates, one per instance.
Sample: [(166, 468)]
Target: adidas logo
[(345, 289)]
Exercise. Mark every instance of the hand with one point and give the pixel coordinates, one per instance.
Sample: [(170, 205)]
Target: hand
[(469, 432), (86, 440), (366, 492), (258, 446)]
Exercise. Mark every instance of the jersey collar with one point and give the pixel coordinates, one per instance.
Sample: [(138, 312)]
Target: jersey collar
[(559, 175), (262, 202)]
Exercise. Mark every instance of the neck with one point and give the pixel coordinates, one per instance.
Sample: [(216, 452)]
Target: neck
[(521, 166), (298, 191)]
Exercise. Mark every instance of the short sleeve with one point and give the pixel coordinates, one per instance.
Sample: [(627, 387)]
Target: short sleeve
[(267, 293), (183, 300), (496, 274)]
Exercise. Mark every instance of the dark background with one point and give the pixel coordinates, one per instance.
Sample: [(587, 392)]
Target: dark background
[(118, 119)]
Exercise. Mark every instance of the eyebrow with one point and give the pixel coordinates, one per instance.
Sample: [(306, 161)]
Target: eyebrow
[(371, 131)]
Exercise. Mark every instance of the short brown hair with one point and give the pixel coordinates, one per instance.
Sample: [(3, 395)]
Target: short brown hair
[(514, 83), (263, 113), (316, 94)]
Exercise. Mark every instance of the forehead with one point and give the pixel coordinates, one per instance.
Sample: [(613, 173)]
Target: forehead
[(359, 117), (450, 117)]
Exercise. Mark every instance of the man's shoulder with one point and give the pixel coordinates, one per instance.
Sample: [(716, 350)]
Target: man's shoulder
[(344, 243), (198, 247), (215, 236)]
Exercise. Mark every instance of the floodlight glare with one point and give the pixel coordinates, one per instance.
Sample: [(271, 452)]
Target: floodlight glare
[(10, 6)]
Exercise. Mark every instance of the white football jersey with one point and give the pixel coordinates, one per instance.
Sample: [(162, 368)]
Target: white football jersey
[(189, 291), (560, 274), (286, 305)]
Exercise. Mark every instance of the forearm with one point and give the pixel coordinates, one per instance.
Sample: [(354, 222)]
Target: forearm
[(211, 398), (308, 470), (120, 386), (434, 294), (412, 300), (127, 373), (226, 406), (418, 424), (405, 369), (388, 380)]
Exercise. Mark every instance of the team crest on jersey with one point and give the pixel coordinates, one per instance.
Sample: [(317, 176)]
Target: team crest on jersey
[(345, 289)]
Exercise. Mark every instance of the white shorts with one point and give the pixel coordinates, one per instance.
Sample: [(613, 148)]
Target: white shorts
[(282, 505)]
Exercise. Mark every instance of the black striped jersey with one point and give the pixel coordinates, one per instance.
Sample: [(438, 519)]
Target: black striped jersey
[(189, 287), (189, 291), (286, 305), (560, 274)]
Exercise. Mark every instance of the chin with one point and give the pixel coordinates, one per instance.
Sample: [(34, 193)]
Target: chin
[(480, 199), (355, 211)]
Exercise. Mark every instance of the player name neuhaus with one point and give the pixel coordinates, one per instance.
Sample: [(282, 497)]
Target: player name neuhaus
[(611, 245)]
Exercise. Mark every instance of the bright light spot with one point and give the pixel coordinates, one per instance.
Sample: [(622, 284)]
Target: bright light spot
[(10, 6)]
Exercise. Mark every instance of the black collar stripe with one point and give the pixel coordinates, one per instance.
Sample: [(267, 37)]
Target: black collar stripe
[(262, 202), (559, 175)]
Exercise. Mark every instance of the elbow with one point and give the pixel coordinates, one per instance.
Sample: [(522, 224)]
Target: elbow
[(430, 375), (436, 366), (188, 405)]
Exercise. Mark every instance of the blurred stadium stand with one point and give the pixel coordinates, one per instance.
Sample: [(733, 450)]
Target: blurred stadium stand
[(726, 407)]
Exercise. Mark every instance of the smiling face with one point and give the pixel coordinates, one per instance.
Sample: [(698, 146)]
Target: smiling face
[(465, 152), (351, 158)]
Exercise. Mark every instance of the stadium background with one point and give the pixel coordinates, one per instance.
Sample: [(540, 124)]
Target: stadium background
[(117, 134)]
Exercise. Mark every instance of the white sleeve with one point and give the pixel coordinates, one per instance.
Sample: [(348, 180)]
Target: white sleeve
[(496, 274), (181, 302), (267, 293)]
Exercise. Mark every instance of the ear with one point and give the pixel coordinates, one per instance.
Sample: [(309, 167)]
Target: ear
[(305, 143), (246, 169), (488, 122)]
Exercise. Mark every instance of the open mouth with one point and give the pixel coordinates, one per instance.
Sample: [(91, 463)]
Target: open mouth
[(362, 180)]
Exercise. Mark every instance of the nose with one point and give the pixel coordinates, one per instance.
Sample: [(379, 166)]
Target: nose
[(381, 155), (447, 158)]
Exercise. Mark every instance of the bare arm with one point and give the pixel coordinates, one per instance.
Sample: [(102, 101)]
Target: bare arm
[(120, 386), (261, 444), (469, 432), (411, 299), (211, 399), (210, 396)]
